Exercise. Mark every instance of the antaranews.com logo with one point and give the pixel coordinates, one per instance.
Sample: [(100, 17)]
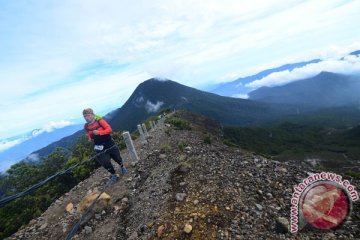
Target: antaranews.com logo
[(323, 201)]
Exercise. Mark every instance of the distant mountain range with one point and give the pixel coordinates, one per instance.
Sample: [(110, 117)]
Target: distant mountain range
[(326, 91), (322, 91), (238, 87), (33, 141), (152, 95), (268, 104)]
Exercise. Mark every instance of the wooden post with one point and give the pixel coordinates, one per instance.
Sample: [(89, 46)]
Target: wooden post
[(130, 146), (142, 136)]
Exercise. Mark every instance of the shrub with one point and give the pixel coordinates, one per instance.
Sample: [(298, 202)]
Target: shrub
[(167, 132), (229, 143), (179, 124), (207, 139), (119, 140), (355, 175), (182, 145), (165, 148)]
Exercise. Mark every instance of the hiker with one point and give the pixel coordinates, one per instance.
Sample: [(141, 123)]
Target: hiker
[(99, 130)]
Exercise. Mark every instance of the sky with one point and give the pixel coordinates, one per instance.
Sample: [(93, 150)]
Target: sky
[(59, 57)]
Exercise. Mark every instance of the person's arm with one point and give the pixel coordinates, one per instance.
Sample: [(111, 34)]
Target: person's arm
[(106, 127), (89, 133)]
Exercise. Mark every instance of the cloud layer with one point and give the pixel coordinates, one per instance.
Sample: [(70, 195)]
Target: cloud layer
[(153, 107), (348, 65), (9, 144), (93, 53), (49, 127)]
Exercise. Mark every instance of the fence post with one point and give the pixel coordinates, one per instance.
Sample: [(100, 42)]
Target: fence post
[(130, 146), (145, 130), (142, 136)]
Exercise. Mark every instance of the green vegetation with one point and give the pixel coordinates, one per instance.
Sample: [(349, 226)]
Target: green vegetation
[(164, 110), (207, 139), (274, 141), (294, 141), (23, 175), (185, 165), (182, 145), (339, 118), (229, 143), (19, 178), (167, 132), (178, 123), (355, 175), (165, 148), (148, 120), (119, 140)]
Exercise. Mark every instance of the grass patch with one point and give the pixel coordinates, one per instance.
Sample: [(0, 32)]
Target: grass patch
[(229, 143), (182, 145), (165, 148), (288, 141), (178, 124), (355, 175), (167, 132), (207, 139)]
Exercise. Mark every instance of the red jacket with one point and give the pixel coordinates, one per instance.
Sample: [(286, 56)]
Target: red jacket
[(104, 131)]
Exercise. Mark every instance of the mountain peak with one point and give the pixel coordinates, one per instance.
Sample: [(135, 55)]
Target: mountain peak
[(326, 73), (154, 82), (159, 79)]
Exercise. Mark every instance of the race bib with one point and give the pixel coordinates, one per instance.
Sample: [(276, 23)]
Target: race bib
[(99, 147)]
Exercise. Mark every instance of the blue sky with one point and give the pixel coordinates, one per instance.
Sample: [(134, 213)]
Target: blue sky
[(58, 57)]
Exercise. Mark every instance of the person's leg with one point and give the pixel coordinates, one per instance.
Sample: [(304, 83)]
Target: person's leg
[(104, 160), (115, 154)]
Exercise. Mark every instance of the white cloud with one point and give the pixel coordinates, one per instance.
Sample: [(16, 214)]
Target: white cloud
[(243, 96), (161, 79), (350, 65), (140, 99), (34, 157), (9, 144), (51, 126), (153, 107), (330, 53), (185, 99)]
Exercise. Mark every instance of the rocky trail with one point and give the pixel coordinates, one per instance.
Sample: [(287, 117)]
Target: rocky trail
[(188, 185)]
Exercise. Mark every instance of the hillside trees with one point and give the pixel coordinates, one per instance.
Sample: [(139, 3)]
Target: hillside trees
[(23, 175)]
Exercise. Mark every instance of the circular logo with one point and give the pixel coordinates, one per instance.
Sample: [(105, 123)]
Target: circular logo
[(325, 205)]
